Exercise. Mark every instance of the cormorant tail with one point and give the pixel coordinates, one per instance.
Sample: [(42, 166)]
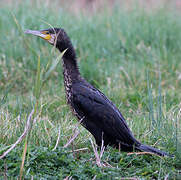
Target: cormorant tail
[(150, 149)]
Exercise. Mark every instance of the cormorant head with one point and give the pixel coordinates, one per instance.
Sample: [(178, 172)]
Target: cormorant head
[(56, 37), (52, 35)]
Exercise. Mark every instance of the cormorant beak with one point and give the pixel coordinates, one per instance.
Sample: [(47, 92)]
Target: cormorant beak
[(42, 34)]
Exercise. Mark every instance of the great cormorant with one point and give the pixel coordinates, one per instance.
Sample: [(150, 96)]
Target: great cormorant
[(95, 111)]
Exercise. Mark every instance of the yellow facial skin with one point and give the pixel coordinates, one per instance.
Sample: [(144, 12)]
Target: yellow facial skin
[(46, 36)]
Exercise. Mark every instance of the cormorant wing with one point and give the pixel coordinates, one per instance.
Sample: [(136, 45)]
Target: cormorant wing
[(100, 111)]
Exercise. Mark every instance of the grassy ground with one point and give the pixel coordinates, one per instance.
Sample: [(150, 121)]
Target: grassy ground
[(131, 56)]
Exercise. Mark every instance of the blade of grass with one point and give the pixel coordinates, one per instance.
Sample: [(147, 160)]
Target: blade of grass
[(159, 104), (22, 34), (53, 66), (23, 158), (37, 82), (37, 95), (150, 96)]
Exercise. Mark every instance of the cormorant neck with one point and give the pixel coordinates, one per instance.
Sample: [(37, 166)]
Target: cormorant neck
[(70, 67)]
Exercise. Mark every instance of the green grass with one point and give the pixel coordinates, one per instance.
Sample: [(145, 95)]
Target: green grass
[(131, 56)]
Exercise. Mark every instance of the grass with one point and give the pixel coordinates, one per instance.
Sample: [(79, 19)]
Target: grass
[(131, 56)]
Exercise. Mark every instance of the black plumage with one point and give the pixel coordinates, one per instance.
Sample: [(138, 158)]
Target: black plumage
[(95, 111)]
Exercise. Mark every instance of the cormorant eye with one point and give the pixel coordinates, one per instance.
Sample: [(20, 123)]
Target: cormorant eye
[(47, 32)]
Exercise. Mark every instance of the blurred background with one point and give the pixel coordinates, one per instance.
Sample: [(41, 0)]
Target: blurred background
[(94, 5)]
